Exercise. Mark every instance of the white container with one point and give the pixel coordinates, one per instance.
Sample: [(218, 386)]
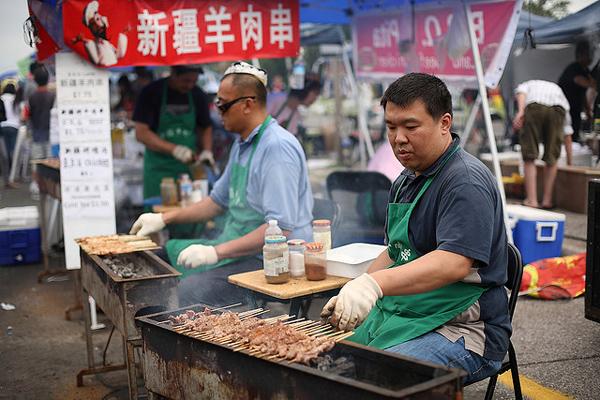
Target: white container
[(19, 218), (352, 260)]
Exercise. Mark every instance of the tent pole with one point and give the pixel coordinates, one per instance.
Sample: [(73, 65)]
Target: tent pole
[(470, 121), (486, 116), (361, 109)]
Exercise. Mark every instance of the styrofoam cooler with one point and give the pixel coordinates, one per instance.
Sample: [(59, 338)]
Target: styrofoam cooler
[(537, 233), (20, 236)]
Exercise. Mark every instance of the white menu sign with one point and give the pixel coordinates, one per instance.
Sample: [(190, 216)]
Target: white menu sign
[(86, 169)]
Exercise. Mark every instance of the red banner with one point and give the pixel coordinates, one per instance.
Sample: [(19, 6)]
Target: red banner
[(390, 44), (166, 32)]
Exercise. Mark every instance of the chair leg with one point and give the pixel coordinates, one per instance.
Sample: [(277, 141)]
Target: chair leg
[(489, 393), (514, 370)]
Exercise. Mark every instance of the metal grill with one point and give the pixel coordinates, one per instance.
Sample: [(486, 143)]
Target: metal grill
[(122, 299), (180, 364)]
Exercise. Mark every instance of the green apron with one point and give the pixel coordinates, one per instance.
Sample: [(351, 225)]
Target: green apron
[(397, 319), (241, 219), (178, 129)]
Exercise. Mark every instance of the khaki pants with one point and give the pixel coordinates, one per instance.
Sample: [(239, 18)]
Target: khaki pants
[(542, 124)]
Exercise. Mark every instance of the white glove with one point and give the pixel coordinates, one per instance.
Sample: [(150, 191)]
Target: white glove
[(354, 302), (183, 153), (197, 254), (207, 156), (147, 223)]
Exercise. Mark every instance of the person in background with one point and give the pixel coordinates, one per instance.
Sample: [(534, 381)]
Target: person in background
[(29, 84), (574, 81), (285, 108), (266, 178), (40, 104), (437, 292), (126, 96), (10, 127), (542, 116), (143, 77), (173, 122)]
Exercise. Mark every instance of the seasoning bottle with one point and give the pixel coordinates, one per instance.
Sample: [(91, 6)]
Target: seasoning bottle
[(185, 190), (168, 192), (276, 259), (322, 232), (197, 194), (296, 247), (315, 262)]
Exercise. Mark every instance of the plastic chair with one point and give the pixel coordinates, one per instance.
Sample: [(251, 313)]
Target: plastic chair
[(363, 198), (515, 273)]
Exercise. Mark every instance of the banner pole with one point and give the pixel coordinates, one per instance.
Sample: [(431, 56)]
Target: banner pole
[(486, 116)]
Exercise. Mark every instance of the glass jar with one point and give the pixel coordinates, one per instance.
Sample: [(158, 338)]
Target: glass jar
[(322, 232), (276, 259), (168, 192), (296, 247), (315, 262)]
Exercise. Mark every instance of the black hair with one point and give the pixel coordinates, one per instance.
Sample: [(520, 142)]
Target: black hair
[(310, 86), (41, 76), (10, 88), (582, 48), (418, 86), (124, 81), (143, 73), (248, 82), (184, 69), (35, 65)]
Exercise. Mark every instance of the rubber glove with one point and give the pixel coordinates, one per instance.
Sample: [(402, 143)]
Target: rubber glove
[(183, 153), (207, 156), (354, 302), (197, 254), (147, 223)]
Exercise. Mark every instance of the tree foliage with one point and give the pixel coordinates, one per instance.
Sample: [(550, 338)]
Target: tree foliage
[(547, 8)]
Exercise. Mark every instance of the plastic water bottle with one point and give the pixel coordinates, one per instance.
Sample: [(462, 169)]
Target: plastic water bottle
[(298, 72), (185, 190), (273, 229)]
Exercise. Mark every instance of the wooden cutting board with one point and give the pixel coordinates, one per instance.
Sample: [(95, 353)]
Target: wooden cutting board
[(296, 287)]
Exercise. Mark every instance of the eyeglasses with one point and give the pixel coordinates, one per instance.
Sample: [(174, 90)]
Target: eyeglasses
[(226, 106)]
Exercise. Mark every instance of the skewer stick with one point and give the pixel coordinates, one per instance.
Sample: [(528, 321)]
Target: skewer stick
[(224, 307), (344, 336), (304, 325), (255, 315), (243, 314), (294, 321)]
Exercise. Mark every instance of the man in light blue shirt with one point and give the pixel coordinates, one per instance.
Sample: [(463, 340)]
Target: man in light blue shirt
[(278, 185), (266, 178)]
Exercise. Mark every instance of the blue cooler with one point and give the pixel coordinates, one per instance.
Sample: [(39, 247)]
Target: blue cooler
[(537, 233), (20, 238)]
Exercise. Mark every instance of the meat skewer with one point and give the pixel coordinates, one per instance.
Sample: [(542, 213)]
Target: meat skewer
[(280, 337)]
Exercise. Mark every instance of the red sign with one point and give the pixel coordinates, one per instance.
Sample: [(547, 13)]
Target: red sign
[(390, 44), (167, 32)]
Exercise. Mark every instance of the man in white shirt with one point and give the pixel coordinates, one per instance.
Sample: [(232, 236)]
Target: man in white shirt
[(542, 116)]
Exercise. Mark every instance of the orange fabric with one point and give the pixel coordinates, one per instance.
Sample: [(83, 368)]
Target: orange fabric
[(555, 278)]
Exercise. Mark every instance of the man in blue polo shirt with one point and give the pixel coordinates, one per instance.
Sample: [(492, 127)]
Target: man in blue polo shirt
[(266, 178), (437, 293)]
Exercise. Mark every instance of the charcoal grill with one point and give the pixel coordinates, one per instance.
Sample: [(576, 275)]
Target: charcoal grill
[(182, 367), (122, 299)]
